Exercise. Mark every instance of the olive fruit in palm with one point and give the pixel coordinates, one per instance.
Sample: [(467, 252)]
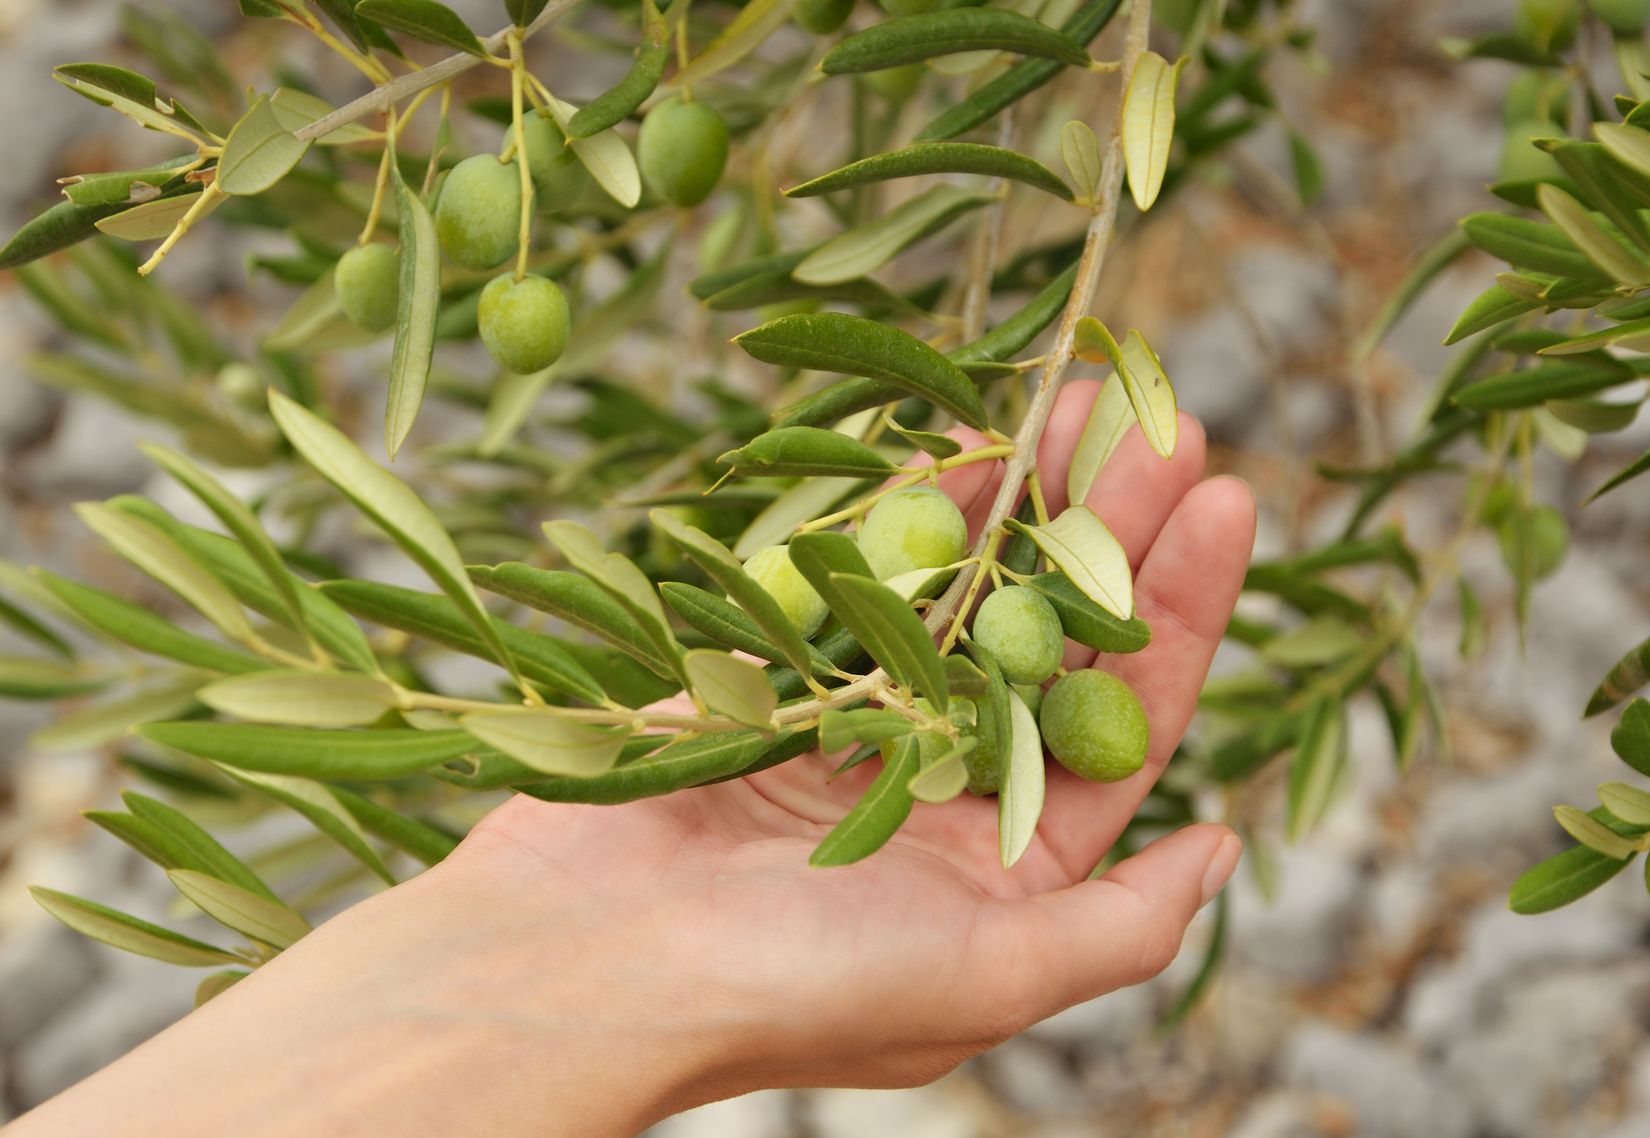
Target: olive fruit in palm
[(1022, 632), (783, 581), (478, 216), (1093, 725), (559, 178), (523, 323), (917, 527), (368, 283), (681, 150), (822, 17)]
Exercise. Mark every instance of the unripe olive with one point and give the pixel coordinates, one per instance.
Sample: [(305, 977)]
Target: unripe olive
[(917, 527), (478, 217), (1521, 159), (1536, 541), (983, 763), (368, 281), (1622, 15), (773, 570), (681, 150), (1547, 24), (894, 84), (523, 323), (1094, 726), (1537, 96), (1021, 630), (822, 17), (908, 7), (1032, 694), (559, 178)]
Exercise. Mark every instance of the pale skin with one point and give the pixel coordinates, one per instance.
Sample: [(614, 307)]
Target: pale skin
[(588, 970)]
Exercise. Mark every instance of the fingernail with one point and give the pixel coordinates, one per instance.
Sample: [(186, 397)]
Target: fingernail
[(1221, 866)]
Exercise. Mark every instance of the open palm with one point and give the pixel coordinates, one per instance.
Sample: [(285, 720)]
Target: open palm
[(892, 970)]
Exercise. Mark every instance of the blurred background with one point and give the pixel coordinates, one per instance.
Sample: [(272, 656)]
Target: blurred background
[(1375, 984)]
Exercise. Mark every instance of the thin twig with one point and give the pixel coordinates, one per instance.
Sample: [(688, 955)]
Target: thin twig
[(407, 85)]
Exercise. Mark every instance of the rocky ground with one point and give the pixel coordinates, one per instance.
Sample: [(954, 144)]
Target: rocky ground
[(1383, 991)]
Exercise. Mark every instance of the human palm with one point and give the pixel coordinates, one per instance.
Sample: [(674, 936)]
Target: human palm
[(892, 970)]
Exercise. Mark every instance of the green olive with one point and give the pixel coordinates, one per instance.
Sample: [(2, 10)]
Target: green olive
[(1541, 96), (681, 150), (478, 216), (1521, 159), (822, 17), (559, 178), (908, 7), (1535, 541), (1032, 694), (984, 765), (368, 282), (1021, 630), (914, 528), (895, 84), (773, 570), (1622, 15), (523, 323), (1549, 25), (1094, 726)]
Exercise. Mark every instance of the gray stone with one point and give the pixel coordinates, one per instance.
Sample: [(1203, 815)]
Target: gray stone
[(1280, 1114), (946, 1109), (1111, 1022), (1302, 932), (764, 1114), (1289, 291), (42, 966), (1034, 1078), (93, 454), (1218, 369), (1386, 1087)]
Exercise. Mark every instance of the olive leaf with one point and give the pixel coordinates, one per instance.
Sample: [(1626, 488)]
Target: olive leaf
[(892, 633), (936, 158), (1628, 803), (260, 918), (1148, 125), (802, 502), (125, 187), (1020, 799), (23, 677), (619, 577), (879, 813), (619, 101), (391, 506), (1079, 544), (127, 92), (312, 752), (420, 839), (1150, 393), (1080, 150), (839, 730), (1561, 879), (129, 933), (185, 845), (1110, 418), (259, 152), (315, 699), (418, 299), (925, 35), (727, 623), (1592, 833), (868, 247), (318, 805), (747, 31), (835, 341), (156, 219), (731, 686), (806, 451), (1528, 244), (295, 109), (102, 723), (141, 628), (1086, 622), (547, 741), (604, 154), (427, 20), (1590, 237), (1532, 386), (945, 777), (692, 762), (578, 600), (1318, 765), (1495, 305)]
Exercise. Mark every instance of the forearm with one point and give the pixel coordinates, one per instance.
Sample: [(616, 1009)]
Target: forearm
[(418, 1012)]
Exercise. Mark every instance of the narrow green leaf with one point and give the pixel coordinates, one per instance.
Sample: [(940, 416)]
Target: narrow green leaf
[(1593, 834), (1020, 799), (1148, 125), (314, 699), (1528, 244), (391, 505), (129, 933), (806, 451), (1631, 471), (417, 303), (835, 341), (619, 577), (547, 741), (747, 31), (102, 723), (1315, 770), (1561, 879), (135, 625), (1630, 738), (266, 921), (1495, 305), (839, 730), (420, 839), (1148, 388), (709, 758), (878, 814), (925, 35), (1080, 150), (1590, 237), (258, 152), (1109, 421), (148, 548), (731, 686), (1628, 803), (1086, 622), (893, 633), (604, 154), (868, 247), (314, 753), (944, 778), (1629, 145), (133, 95), (219, 982), (123, 187), (427, 20), (191, 847), (319, 806), (25, 677), (1532, 386), (579, 601), (940, 446), (59, 227), (1629, 674), (936, 158), (1079, 544), (154, 220), (618, 102)]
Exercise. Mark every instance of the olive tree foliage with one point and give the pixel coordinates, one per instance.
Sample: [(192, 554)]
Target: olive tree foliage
[(679, 584)]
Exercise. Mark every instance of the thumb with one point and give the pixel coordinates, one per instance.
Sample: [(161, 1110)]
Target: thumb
[(1125, 927)]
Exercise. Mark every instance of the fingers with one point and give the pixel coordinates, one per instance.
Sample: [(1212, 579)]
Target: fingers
[(1077, 943), (1186, 590)]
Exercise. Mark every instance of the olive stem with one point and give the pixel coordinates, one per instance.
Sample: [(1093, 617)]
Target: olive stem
[(1101, 226), (442, 71), (524, 235), (203, 204), (379, 187)]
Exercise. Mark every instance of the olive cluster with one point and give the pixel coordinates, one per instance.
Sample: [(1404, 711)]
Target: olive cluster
[(1091, 721), (523, 319)]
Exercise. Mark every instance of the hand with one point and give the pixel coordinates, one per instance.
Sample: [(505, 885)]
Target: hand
[(891, 971), (586, 970)]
